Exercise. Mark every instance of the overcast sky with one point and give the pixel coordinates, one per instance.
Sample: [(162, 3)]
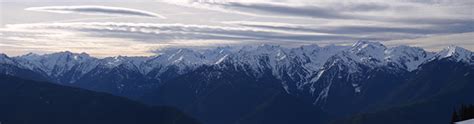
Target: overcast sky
[(139, 27)]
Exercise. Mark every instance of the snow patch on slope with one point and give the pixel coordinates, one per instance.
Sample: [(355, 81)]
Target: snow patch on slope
[(470, 121)]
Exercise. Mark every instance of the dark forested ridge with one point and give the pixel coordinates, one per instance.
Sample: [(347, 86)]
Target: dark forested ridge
[(427, 98), (234, 97), (31, 102)]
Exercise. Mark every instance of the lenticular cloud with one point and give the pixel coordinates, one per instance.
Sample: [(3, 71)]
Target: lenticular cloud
[(96, 10)]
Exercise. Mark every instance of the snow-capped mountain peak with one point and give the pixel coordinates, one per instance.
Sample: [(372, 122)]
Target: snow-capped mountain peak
[(55, 63), (407, 57), (300, 63), (370, 54), (112, 62), (219, 54), (4, 59), (368, 50), (3, 56), (455, 52), (181, 56), (363, 44), (30, 55)]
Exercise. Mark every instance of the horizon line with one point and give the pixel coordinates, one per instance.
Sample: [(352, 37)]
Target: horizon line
[(239, 47)]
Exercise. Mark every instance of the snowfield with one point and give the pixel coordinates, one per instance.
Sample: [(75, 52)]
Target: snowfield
[(470, 121)]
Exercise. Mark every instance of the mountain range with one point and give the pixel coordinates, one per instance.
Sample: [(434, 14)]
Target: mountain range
[(273, 84)]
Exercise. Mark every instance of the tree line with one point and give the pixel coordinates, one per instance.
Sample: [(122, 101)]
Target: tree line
[(466, 112)]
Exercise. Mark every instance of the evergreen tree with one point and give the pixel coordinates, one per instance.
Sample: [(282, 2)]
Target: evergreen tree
[(466, 112), (454, 117)]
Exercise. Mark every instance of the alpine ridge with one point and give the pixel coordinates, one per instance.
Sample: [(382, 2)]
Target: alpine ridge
[(298, 68), (333, 79)]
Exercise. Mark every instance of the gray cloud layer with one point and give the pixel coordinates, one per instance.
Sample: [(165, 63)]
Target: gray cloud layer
[(98, 37), (96, 10), (164, 32), (205, 23), (361, 29), (397, 12)]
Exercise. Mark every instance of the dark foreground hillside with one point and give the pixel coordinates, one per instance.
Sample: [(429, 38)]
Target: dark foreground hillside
[(30, 102), (427, 98)]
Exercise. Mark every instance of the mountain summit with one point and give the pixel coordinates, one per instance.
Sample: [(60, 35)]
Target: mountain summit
[(337, 80)]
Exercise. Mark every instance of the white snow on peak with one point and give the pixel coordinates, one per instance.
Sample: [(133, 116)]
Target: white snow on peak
[(31, 56), (221, 59), (457, 53), (304, 64), (372, 55), (407, 57), (375, 54), (3, 55), (182, 58), (135, 62), (56, 63), (4, 59), (315, 56), (367, 46), (114, 61), (218, 53), (259, 58), (368, 51)]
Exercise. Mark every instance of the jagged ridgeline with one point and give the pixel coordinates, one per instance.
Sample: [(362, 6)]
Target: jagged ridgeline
[(274, 84)]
